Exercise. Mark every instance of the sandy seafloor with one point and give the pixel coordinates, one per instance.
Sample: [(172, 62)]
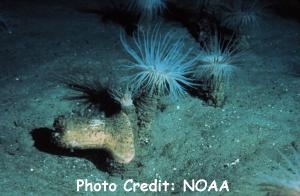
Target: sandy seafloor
[(191, 140)]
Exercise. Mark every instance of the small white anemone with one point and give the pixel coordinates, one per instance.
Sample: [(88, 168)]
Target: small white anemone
[(241, 14), (124, 97), (160, 61), (148, 8), (218, 60)]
